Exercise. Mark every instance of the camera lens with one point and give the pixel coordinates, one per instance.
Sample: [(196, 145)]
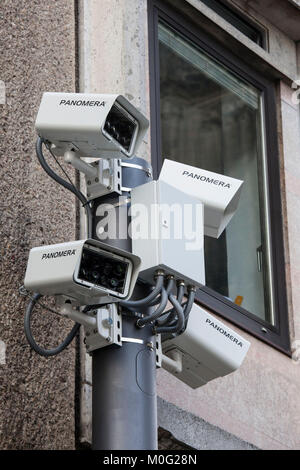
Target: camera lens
[(119, 270), (114, 282), (119, 126), (102, 270), (95, 275)]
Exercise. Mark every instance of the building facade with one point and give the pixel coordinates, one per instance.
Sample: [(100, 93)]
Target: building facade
[(219, 81)]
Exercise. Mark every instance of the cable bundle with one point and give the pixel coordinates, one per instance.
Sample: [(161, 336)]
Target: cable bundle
[(173, 321)]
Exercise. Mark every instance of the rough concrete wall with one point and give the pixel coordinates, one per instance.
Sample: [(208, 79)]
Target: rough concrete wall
[(37, 54), (194, 431)]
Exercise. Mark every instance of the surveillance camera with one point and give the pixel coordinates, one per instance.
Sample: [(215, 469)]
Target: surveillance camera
[(168, 217), (220, 194), (206, 350), (88, 271), (94, 125)]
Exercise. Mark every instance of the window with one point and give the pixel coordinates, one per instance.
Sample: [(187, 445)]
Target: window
[(246, 26), (212, 113)]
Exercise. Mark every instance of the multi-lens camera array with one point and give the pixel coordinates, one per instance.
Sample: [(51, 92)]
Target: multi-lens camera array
[(102, 271), (120, 127)]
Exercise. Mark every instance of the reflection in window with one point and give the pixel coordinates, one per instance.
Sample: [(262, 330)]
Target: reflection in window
[(212, 119)]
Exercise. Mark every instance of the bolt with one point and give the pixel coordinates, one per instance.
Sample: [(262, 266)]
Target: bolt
[(192, 289), (88, 182), (96, 180), (95, 331), (107, 322), (108, 338), (109, 188), (150, 345)]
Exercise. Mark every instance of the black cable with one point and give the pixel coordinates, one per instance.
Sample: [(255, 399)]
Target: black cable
[(60, 166), (70, 186), (169, 288), (180, 292), (38, 349), (65, 184), (180, 327), (139, 303), (169, 318), (182, 314), (188, 307), (153, 316)]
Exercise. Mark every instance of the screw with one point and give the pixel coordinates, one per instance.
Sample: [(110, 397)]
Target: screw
[(109, 188), (108, 338), (89, 182), (150, 345), (96, 180), (108, 322)]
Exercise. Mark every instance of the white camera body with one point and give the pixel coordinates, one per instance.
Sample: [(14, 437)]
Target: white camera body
[(220, 194), (93, 125), (208, 349), (171, 235), (88, 271)]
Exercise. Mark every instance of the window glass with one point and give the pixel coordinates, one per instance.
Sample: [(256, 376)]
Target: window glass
[(212, 119)]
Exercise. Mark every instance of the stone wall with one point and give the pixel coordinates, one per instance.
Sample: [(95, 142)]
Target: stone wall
[(36, 394)]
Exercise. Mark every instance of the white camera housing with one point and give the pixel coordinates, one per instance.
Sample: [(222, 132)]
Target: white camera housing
[(166, 243), (88, 271), (219, 193), (93, 125), (208, 349)]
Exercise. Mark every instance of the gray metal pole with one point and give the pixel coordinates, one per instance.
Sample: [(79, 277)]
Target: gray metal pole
[(124, 412)]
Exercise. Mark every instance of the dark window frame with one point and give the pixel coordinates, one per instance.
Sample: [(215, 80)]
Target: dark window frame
[(278, 335), (233, 16)]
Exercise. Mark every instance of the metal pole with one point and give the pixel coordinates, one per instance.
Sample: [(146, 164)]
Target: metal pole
[(124, 412)]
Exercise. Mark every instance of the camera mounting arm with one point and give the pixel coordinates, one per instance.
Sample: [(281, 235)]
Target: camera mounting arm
[(102, 177)]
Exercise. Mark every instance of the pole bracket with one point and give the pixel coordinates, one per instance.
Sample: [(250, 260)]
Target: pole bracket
[(108, 329), (102, 177)]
